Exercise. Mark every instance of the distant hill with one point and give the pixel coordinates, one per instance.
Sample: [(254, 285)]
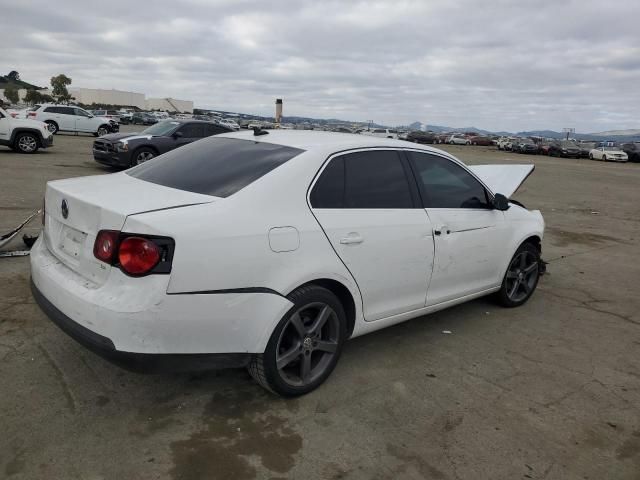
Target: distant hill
[(6, 81)]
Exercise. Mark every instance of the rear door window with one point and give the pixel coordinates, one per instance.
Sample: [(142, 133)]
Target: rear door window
[(192, 130), (366, 180), (214, 166)]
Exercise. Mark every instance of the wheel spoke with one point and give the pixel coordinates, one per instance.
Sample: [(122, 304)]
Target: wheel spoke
[(531, 268), (514, 288), (511, 274), (320, 319), (289, 356), (327, 346), (526, 287), (296, 321), (305, 368), (523, 261)]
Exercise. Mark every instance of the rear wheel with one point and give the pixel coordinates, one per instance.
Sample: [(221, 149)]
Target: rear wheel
[(52, 126), (141, 155), (26, 143), (305, 346), (522, 276)]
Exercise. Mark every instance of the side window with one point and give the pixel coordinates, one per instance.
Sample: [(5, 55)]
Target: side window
[(79, 112), (328, 192), (373, 179), (52, 110), (447, 185), (192, 130), (67, 110), (210, 129)]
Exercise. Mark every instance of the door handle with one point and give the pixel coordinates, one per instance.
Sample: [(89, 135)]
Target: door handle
[(351, 239), (441, 229)]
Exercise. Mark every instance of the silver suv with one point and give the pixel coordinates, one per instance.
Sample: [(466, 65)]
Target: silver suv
[(69, 118)]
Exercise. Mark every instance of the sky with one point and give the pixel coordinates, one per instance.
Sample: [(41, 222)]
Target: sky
[(508, 65)]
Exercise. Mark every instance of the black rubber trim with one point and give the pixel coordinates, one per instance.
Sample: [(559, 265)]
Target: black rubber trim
[(138, 362), (229, 290)]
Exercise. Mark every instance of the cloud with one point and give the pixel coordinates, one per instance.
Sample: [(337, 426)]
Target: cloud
[(498, 65)]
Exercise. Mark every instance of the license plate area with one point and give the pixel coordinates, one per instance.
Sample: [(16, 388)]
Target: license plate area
[(72, 242)]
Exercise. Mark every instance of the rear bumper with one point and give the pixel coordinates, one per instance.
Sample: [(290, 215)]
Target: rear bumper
[(128, 316), (136, 362)]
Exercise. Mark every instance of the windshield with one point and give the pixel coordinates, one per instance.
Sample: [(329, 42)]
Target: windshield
[(568, 145), (610, 149), (161, 129)]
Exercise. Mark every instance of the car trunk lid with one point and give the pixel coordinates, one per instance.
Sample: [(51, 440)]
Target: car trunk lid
[(77, 209)]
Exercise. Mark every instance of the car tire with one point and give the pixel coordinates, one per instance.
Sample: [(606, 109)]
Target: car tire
[(604, 158), (521, 278), (590, 156), (52, 126), (141, 155), (26, 143), (102, 130), (305, 346)]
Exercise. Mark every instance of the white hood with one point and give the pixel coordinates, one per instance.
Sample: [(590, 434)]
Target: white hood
[(504, 179)]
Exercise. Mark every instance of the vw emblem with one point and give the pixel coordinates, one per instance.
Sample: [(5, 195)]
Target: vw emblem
[(65, 209)]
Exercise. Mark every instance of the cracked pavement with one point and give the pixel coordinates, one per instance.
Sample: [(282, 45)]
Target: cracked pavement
[(549, 390)]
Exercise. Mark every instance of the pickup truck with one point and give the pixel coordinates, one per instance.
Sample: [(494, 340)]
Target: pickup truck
[(22, 135)]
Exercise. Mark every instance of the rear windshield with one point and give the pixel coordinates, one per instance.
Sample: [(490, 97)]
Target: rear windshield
[(214, 166)]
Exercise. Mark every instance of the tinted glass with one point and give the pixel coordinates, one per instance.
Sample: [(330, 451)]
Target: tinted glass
[(80, 112), (446, 184), (192, 130), (328, 192), (376, 179), (214, 166), (210, 129), (52, 110), (161, 129)]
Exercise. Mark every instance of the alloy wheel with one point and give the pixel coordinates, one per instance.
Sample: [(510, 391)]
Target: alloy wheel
[(27, 144), (144, 157), (307, 344), (522, 276), (102, 131)]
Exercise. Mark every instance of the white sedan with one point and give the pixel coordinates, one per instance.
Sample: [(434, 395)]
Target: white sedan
[(458, 140), (608, 153), (270, 249)]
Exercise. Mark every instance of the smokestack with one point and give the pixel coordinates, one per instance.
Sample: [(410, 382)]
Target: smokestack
[(278, 110)]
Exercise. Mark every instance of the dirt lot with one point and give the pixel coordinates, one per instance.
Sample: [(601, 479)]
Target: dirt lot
[(550, 390)]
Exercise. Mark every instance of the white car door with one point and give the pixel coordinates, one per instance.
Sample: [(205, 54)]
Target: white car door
[(371, 214), (469, 235), (84, 121)]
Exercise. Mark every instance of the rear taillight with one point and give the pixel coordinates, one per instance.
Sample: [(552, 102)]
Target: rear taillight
[(138, 256), (106, 245), (31, 114), (135, 255)]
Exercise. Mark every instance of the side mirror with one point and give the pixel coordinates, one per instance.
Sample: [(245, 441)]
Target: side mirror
[(500, 202), (177, 135)]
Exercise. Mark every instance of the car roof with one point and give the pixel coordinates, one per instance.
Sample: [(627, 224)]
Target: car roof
[(325, 141)]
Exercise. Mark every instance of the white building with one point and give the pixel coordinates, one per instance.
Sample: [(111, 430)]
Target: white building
[(89, 96), (170, 104)]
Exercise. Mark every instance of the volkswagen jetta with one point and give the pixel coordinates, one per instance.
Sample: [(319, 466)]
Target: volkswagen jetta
[(269, 251)]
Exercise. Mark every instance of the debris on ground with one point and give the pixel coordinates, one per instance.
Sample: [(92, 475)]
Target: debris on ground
[(29, 240), (7, 237)]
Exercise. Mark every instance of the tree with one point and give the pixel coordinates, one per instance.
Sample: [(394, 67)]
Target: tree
[(59, 84), (13, 75), (33, 96), (11, 94)]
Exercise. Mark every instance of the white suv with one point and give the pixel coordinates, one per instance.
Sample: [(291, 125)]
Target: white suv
[(69, 118), (24, 136), (381, 133)]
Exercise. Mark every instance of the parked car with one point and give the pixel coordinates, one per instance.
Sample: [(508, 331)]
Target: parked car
[(458, 140), (143, 118), (544, 148), (585, 148), (564, 148), (525, 146), (613, 154), (110, 114), (481, 140), (270, 250), (632, 150), (381, 133), (69, 118), (126, 116), (129, 149), (231, 124), (418, 136), (23, 135), (502, 141)]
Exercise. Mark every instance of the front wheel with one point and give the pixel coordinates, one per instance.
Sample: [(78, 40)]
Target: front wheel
[(102, 131), (305, 346), (590, 156), (604, 158), (26, 143), (141, 155), (522, 276)]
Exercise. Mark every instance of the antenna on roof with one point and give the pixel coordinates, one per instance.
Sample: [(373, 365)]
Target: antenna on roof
[(257, 131)]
